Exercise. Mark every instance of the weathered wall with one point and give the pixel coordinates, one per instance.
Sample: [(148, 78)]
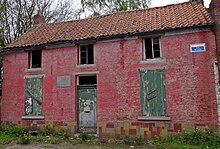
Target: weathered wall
[(215, 13), (189, 79), (214, 10)]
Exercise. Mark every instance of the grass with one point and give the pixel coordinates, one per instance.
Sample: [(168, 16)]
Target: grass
[(196, 139)]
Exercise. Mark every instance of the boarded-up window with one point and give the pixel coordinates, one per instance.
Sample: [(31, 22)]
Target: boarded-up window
[(152, 89), (33, 96)]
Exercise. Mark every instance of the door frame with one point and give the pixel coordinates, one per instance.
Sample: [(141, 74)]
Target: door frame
[(77, 104)]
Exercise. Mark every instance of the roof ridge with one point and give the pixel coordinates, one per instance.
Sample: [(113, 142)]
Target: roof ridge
[(118, 23)]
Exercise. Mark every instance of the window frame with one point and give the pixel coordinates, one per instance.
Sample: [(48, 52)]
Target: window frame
[(85, 75), (152, 49), (87, 57), (30, 63)]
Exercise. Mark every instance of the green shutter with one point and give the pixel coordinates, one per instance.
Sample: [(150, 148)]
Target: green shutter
[(33, 96), (152, 89)]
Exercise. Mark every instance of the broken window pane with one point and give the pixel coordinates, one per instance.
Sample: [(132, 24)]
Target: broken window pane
[(152, 48)]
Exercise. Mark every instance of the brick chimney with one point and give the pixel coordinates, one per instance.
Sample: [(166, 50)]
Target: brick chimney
[(199, 1), (214, 10), (38, 19)]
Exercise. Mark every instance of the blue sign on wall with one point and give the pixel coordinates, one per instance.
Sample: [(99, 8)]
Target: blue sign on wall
[(197, 47)]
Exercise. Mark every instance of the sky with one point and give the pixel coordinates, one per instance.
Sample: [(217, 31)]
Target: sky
[(155, 3)]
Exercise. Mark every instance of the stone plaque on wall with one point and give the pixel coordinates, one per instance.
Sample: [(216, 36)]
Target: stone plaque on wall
[(63, 81)]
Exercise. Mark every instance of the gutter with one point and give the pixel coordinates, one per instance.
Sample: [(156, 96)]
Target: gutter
[(58, 44)]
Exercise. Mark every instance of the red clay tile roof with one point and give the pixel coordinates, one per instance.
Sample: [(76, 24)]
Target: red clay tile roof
[(146, 20)]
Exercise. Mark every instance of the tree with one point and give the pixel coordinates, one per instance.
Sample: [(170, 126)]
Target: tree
[(97, 7), (16, 16)]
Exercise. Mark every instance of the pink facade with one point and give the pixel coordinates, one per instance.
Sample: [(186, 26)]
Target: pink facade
[(189, 80)]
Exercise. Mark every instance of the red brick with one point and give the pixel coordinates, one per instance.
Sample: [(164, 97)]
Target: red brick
[(189, 81), (153, 133), (100, 132), (136, 123), (122, 131), (40, 122), (132, 131), (110, 126), (177, 127)]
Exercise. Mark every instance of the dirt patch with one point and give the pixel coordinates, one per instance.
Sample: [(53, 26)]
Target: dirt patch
[(67, 145)]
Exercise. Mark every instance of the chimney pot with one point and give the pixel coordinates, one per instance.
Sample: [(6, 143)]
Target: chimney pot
[(200, 1), (38, 19)]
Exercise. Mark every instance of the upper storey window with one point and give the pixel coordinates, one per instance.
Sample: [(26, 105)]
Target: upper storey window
[(86, 54), (152, 48), (35, 57)]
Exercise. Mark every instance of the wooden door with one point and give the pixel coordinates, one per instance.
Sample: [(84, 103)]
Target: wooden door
[(87, 109)]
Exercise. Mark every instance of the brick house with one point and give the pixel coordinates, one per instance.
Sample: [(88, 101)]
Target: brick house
[(143, 72)]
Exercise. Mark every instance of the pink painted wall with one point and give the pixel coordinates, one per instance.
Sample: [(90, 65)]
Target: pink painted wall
[(189, 78)]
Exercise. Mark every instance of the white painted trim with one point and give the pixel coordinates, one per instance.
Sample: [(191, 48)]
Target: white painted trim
[(154, 118), (118, 39), (161, 54), (86, 73), (33, 69), (153, 68), (85, 65), (144, 49), (35, 76), (130, 38), (217, 88), (186, 31), (33, 117), (151, 61), (152, 48)]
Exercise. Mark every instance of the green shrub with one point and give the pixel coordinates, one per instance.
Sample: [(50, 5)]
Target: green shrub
[(53, 140), (128, 141), (39, 138), (84, 136), (12, 130), (194, 139), (23, 139), (139, 141), (48, 130), (61, 133), (5, 139)]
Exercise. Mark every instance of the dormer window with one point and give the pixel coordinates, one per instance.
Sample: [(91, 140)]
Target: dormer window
[(35, 57), (86, 54), (152, 48)]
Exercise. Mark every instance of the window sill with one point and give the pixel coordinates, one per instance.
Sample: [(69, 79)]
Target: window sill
[(33, 69), (85, 65), (154, 118), (156, 60), (33, 117)]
